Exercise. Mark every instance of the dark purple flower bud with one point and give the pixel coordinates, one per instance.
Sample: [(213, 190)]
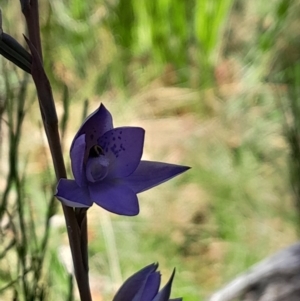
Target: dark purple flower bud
[(107, 167), (144, 286)]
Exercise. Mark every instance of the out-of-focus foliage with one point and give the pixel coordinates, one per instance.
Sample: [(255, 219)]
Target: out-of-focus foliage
[(215, 84), (120, 37)]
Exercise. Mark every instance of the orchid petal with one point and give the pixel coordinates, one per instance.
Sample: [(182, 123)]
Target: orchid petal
[(94, 127), (124, 148), (77, 157), (133, 284), (150, 173), (164, 294), (70, 194), (114, 197), (150, 288)]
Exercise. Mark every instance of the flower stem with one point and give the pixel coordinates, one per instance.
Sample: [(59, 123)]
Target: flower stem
[(48, 111)]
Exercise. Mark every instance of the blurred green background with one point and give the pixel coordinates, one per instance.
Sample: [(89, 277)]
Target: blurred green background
[(215, 85)]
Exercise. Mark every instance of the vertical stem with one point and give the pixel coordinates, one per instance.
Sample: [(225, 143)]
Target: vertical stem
[(48, 112), (30, 9)]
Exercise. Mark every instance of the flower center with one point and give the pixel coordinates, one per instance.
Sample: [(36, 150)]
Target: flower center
[(96, 151), (97, 165)]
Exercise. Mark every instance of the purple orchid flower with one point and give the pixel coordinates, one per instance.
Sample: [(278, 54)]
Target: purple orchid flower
[(107, 167), (144, 286)]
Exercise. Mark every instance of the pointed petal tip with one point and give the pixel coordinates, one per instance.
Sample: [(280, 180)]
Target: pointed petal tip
[(150, 174), (95, 125), (184, 168), (103, 110), (172, 276), (165, 292), (153, 265)]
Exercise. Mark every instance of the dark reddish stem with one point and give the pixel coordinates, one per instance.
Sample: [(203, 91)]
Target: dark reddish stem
[(77, 234), (30, 9)]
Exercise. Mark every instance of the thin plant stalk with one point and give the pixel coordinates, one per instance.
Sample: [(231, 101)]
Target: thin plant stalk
[(50, 121)]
